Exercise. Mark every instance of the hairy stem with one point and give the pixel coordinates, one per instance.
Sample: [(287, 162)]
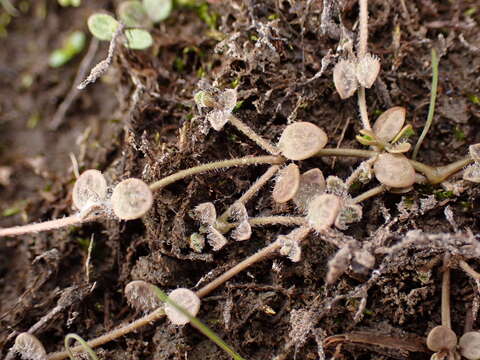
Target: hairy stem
[(222, 164), (247, 131), (363, 36), (469, 270), (114, 334), (368, 194), (347, 152), (362, 106), (47, 225), (431, 108)]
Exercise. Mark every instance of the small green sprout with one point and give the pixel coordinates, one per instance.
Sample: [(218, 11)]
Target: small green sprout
[(74, 3), (73, 45)]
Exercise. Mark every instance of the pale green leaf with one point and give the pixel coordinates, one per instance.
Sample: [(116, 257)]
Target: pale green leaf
[(133, 14), (158, 10), (102, 26), (138, 39)]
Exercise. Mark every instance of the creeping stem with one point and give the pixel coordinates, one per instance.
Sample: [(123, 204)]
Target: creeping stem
[(222, 164)]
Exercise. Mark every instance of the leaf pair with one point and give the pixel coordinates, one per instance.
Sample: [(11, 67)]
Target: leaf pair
[(130, 199), (349, 74)]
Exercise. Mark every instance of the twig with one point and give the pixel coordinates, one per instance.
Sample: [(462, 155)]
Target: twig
[(102, 67)]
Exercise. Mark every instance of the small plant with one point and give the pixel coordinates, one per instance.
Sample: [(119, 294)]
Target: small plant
[(133, 15)]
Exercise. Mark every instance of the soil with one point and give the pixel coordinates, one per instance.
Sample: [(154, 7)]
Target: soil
[(140, 120)]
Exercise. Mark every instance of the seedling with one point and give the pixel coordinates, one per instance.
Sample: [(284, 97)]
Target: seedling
[(29, 347), (132, 14), (186, 299)]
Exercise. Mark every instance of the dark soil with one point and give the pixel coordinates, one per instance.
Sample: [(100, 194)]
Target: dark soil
[(141, 121)]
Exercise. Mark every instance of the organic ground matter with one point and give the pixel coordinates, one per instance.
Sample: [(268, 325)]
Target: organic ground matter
[(141, 121)]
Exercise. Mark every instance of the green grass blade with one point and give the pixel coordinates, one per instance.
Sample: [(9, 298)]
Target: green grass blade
[(82, 342), (433, 99), (198, 324)]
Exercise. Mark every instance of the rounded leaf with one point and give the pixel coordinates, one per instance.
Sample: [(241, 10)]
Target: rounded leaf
[(186, 299), (441, 338), (206, 213), (474, 151), (302, 140), (345, 78), (323, 210), (133, 14), (470, 345), (102, 26), (243, 231), (158, 10), (367, 70), (141, 296), (131, 199), (218, 118), (138, 39), (389, 123), (90, 188), (287, 184), (312, 183), (472, 173), (29, 347), (394, 170)]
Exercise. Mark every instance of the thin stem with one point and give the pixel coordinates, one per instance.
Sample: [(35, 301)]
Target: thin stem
[(222, 164), (363, 36), (368, 194), (446, 321), (268, 220), (238, 268), (431, 108), (114, 334), (469, 270), (74, 92), (83, 344), (47, 225), (244, 128), (281, 220), (356, 173), (262, 180), (347, 152), (436, 175), (362, 106)]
